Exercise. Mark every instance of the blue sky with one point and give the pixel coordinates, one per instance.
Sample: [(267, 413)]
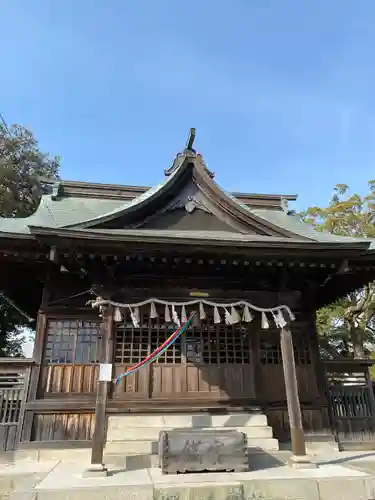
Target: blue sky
[(281, 91)]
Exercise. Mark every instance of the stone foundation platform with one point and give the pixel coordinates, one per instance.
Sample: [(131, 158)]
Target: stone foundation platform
[(268, 479)]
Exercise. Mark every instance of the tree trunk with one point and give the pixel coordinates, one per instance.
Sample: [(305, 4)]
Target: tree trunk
[(357, 340)]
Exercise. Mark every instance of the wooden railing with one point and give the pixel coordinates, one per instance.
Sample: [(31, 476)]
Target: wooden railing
[(352, 404), (14, 378)]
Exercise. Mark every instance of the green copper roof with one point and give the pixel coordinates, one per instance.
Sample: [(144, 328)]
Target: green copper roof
[(293, 224), (68, 211), (61, 213), (130, 205), (76, 211)]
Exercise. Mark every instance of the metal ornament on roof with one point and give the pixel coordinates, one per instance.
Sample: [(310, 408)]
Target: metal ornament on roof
[(176, 312)]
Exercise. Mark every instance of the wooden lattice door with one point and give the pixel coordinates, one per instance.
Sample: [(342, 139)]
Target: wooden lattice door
[(132, 345)]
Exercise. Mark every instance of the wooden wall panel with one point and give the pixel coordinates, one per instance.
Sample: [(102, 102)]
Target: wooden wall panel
[(307, 383), (237, 381), (225, 381), (273, 385), (270, 383), (8, 437), (171, 380), (315, 421), (57, 379), (63, 427), (135, 386)]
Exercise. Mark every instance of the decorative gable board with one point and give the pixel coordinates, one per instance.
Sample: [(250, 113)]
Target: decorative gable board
[(192, 202), (182, 220)]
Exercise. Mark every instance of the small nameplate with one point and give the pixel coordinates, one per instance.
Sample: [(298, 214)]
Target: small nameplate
[(105, 372)]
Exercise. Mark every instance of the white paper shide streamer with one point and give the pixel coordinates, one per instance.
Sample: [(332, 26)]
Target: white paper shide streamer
[(167, 314), (234, 316), (175, 317), (134, 318), (183, 315), (279, 319), (117, 317), (247, 317), (264, 323), (153, 311), (202, 312), (217, 318)]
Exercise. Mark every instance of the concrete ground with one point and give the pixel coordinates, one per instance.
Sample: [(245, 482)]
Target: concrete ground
[(340, 476)]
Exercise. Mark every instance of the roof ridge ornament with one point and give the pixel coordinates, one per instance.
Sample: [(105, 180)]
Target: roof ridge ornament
[(284, 204), (190, 141), (188, 151), (50, 186)]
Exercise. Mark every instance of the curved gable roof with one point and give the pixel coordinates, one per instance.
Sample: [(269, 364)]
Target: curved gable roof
[(76, 209), (203, 179)]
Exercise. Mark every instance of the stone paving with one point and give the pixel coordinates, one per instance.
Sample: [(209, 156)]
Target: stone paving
[(340, 476)]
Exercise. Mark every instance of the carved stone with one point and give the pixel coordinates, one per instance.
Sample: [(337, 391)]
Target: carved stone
[(199, 451)]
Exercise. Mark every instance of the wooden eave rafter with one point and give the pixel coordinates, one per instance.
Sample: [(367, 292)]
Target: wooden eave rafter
[(16, 236), (20, 244), (257, 196), (51, 235)]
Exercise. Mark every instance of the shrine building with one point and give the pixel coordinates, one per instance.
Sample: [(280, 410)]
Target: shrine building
[(109, 272)]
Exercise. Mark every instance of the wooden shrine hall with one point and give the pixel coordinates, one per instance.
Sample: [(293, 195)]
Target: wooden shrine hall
[(109, 272)]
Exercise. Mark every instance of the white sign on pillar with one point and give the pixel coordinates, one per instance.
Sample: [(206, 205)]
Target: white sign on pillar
[(105, 372)]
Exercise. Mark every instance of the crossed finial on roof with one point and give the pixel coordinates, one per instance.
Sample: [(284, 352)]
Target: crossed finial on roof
[(190, 141), (181, 156)]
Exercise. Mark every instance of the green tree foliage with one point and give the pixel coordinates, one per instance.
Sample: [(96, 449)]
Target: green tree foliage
[(12, 334), (348, 325), (22, 165)]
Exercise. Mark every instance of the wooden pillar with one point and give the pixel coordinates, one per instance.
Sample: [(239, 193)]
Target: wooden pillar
[(253, 329), (291, 387), (106, 354), (26, 424)]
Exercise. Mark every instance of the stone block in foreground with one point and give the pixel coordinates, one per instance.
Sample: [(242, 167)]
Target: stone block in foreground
[(200, 451)]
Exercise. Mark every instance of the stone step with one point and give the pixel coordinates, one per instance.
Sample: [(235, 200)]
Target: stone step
[(150, 447), (152, 433), (192, 420), (138, 434)]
